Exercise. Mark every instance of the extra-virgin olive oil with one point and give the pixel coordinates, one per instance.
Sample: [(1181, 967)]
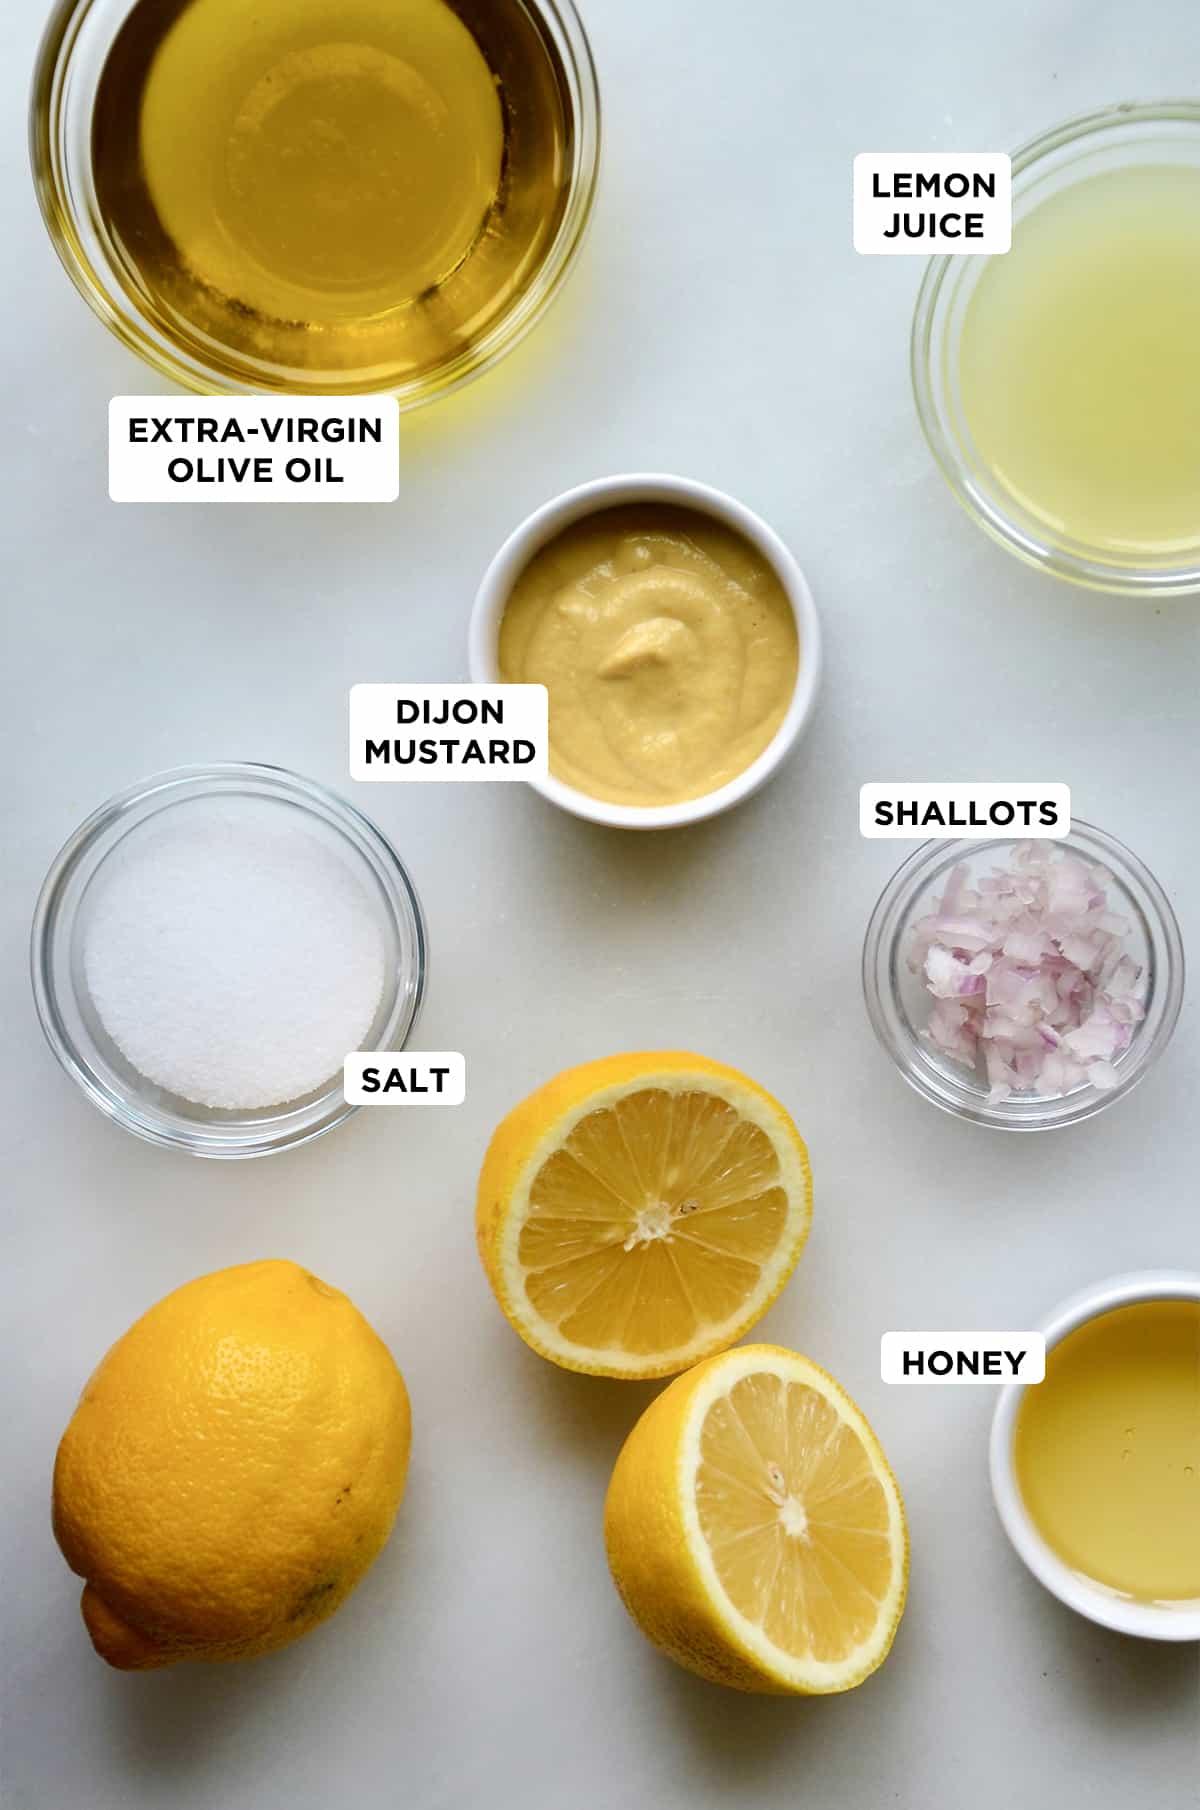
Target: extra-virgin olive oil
[(331, 193)]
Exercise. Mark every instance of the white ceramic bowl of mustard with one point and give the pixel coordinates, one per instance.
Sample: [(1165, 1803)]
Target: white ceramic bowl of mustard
[(1151, 1621), (685, 493)]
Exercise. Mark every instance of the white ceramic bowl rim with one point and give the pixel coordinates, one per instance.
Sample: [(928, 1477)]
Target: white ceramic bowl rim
[(1152, 1621), (652, 487)]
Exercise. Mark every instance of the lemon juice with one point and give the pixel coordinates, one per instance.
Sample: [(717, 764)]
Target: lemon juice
[(1108, 1451), (1079, 363)]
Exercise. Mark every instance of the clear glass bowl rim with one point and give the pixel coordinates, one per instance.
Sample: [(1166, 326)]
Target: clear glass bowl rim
[(889, 923), (1092, 572), (112, 305), (287, 1126)]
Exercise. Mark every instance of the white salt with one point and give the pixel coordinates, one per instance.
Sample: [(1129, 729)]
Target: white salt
[(232, 955)]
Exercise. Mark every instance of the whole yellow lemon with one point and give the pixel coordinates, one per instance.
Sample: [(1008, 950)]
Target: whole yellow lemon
[(232, 1469)]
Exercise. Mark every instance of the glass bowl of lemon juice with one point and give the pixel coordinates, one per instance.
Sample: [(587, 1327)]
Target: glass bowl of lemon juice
[(1058, 384)]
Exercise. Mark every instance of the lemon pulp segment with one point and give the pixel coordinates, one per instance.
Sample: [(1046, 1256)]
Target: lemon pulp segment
[(795, 1517), (652, 1221), (641, 1212), (754, 1529)]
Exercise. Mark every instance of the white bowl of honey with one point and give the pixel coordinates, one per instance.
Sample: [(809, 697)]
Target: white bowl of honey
[(317, 196), (1096, 1470)]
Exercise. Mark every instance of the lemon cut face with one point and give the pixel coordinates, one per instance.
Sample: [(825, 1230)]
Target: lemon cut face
[(755, 1530), (641, 1212)]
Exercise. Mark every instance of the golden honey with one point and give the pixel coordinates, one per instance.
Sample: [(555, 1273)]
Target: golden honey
[(348, 194), (1108, 1450)]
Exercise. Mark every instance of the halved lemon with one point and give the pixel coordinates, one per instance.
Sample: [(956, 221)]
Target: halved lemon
[(641, 1212), (754, 1529)]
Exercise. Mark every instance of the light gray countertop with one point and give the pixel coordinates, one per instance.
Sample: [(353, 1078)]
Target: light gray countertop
[(720, 325)]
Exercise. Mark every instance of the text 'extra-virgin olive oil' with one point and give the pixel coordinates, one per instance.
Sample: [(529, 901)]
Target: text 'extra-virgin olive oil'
[(341, 194)]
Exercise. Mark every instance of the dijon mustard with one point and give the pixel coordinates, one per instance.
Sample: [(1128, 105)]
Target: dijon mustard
[(668, 647)]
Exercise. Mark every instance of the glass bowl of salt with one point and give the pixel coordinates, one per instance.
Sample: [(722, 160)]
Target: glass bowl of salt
[(211, 944)]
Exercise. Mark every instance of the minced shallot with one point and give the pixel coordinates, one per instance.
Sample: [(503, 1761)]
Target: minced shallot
[(1028, 974)]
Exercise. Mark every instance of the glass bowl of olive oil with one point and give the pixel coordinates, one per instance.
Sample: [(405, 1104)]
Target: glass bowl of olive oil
[(316, 196), (1058, 384)]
